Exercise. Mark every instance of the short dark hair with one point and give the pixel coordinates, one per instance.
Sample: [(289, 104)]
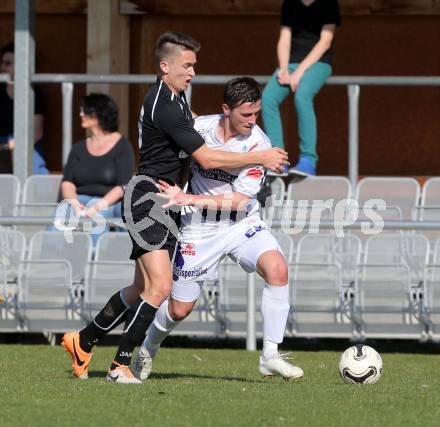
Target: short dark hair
[(168, 42), (7, 48), (105, 109), (240, 90)]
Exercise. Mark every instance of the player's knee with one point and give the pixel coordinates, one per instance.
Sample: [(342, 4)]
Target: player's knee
[(178, 312), (277, 274), (160, 292)]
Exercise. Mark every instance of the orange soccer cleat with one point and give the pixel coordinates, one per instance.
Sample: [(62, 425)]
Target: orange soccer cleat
[(80, 358)]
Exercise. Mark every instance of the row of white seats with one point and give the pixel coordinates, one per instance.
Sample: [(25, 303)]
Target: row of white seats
[(390, 291), (38, 197), (404, 197)]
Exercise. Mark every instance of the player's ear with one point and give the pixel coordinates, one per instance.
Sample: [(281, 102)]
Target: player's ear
[(164, 67), (226, 109)]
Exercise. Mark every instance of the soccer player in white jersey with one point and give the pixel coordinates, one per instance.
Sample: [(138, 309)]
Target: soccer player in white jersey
[(221, 218)]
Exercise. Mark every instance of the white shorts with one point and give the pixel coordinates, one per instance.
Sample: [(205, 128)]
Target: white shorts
[(198, 255)]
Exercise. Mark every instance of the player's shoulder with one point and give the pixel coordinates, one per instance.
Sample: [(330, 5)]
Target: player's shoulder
[(259, 138), (206, 122)]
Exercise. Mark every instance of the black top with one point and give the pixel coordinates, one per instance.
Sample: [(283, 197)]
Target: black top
[(166, 133), (7, 110), (306, 23), (97, 175)]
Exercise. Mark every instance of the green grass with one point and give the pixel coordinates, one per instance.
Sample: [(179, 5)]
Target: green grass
[(194, 387)]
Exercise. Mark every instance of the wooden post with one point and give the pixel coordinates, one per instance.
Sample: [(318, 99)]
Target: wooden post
[(108, 48)]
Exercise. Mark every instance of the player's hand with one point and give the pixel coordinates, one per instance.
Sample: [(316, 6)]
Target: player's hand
[(172, 193), (275, 159)]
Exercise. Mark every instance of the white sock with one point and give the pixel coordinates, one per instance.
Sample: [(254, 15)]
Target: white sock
[(269, 348), (159, 329), (274, 310)]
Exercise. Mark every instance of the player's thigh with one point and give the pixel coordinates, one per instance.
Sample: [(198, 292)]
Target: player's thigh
[(251, 241)]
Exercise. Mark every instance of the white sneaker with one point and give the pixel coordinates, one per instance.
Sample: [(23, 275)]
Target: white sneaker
[(278, 365), (142, 364), (122, 375)]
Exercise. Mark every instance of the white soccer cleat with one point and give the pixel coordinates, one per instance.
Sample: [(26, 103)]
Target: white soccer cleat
[(142, 364), (122, 375), (277, 365)]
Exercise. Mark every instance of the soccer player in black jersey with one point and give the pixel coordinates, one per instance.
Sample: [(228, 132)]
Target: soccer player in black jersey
[(166, 136)]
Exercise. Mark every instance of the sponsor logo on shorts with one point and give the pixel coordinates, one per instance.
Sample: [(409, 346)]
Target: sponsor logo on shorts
[(188, 249), (189, 274), (253, 230), (179, 262)]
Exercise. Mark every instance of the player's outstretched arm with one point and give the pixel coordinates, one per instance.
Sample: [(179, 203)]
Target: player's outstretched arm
[(174, 196), (273, 158)]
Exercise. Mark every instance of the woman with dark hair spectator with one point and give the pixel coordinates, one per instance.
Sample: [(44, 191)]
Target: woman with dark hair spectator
[(98, 167), (7, 141)]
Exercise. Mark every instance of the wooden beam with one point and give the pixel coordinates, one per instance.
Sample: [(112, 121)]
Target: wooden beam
[(272, 7), (108, 47), (49, 6)]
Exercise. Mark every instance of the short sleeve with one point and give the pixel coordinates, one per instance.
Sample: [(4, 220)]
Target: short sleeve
[(171, 119), (68, 171), (286, 14), (125, 164), (331, 14), (249, 181)]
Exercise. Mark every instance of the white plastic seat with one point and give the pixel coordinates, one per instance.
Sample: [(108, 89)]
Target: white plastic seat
[(12, 249), (401, 195), (9, 194), (321, 281), (51, 281), (110, 270)]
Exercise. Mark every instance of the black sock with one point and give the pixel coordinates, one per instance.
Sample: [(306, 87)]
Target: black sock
[(112, 315), (139, 318)]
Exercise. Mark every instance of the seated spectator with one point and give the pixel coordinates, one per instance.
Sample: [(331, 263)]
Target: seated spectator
[(99, 166), (7, 142)]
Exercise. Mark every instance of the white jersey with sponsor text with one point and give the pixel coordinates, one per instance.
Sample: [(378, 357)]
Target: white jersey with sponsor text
[(247, 180)]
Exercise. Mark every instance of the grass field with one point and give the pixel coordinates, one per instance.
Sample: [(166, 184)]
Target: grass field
[(198, 387)]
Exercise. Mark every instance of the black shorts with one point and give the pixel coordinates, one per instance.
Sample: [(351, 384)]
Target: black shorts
[(150, 226)]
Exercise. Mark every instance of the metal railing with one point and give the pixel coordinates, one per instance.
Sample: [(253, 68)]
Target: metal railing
[(353, 84)]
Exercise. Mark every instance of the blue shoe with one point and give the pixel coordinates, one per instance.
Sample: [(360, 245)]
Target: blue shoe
[(285, 172), (303, 168)]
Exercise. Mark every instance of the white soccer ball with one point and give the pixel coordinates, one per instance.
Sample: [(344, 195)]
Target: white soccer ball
[(361, 364)]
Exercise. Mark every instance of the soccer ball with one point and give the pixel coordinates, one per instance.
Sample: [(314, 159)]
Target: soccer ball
[(360, 364)]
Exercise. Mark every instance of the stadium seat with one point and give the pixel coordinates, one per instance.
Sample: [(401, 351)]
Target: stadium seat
[(12, 250), (321, 282), (110, 270), (389, 286), (316, 198), (431, 300), (408, 248), (39, 199), (9, 194), (51, 282), (429, 209), (401, 195)]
